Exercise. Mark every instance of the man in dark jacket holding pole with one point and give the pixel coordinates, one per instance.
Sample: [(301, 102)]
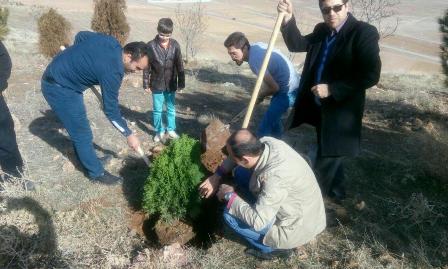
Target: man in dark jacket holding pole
[(342, 61), (93, 59), (10, 159)]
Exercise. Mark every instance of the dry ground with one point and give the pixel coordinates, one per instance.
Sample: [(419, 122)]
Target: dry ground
[(396, 213)]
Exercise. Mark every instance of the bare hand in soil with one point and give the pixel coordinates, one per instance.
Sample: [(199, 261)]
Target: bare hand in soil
[(148, 90), (223, 189), (133, 142), (209, 186)]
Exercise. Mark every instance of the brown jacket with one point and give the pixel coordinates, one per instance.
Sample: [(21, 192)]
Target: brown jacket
[(166, 69), (287, 192)]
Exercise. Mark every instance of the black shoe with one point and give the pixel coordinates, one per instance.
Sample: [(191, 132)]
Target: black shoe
[(278, 253), (107, 179)]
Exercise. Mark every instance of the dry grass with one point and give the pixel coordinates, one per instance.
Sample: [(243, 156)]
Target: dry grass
[(109, 18), (54, 32)]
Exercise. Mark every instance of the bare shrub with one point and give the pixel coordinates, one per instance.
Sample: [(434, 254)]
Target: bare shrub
[(443, 22), (54, 31), (109, 18), (191, 24), (4, 14), (380, 13)]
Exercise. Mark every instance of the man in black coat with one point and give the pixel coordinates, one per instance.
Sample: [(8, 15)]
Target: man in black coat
[(342, 61), (10, 159)]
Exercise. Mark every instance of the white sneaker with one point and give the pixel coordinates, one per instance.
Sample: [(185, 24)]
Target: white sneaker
[(158, 137), (173, 135)]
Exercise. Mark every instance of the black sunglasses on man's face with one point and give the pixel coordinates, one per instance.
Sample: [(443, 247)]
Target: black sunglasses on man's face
[(335, 8)]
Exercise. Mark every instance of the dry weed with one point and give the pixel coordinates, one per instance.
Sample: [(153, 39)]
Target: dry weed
[(109, 18), (54, 31)]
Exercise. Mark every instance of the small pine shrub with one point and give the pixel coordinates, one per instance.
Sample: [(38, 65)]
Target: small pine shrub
[(54, 32), (443, 22), (4, 14), (109, 18), (171, 189)]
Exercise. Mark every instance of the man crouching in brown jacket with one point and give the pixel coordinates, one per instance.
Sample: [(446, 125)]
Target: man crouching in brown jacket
[(278, 205)]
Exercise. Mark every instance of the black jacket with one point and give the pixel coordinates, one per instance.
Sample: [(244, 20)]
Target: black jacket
[(166, 69), (5, 67), (353, 66)]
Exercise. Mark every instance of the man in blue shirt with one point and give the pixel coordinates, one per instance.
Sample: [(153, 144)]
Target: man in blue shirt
[(281, 80), (94, 59)]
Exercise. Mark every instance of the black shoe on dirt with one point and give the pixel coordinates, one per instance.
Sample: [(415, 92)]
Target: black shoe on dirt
[(278, 253), (107, 179)]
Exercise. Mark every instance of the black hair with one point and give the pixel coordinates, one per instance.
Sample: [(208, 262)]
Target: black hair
[(248, 146), (137, 50), (320, 2), (165, 26), (237, 40)]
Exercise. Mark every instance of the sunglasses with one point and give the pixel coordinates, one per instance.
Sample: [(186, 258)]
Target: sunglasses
[(164, 35), (335, 8)]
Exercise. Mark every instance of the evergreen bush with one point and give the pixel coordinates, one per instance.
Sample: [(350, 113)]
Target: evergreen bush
[(444, 46), (54, 32), (4, 14), (109, 18), (171, 189)]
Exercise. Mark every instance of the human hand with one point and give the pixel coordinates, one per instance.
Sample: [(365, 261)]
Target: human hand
[(223, 189), (133, 142), (321, 90), (209, 186), (148, 90), (285, 6)]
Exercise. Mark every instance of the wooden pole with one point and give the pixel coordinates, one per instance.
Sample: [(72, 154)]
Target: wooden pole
[(264, 66)]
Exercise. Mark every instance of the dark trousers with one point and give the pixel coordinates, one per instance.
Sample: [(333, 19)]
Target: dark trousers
[(68, 105), (329, 173), (10, 159)]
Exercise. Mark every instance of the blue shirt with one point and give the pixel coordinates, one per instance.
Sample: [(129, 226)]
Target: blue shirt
[(94, 59), (279, 67)]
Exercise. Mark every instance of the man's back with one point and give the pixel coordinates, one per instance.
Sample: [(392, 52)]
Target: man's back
[(280, 68), (92, 57)]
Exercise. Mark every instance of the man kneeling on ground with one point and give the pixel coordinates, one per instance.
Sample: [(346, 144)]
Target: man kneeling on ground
[(278, 205)]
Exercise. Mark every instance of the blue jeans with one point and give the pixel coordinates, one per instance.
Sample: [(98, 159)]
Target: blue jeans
[(68, 106), (271, 124), (158, 99), (255, 238)]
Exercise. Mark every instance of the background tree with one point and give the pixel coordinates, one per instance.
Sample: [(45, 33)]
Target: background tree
[(190, 26), (54, 31), (380, 13), (444, 46), (4, 14), (109, 18)]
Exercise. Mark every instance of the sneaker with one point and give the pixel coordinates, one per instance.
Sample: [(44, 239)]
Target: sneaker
[(159, 137), (173, 135), (107, 179), (278, 253)]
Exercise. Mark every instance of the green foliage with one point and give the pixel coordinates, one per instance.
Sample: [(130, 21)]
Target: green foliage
[(4, 14), (444, 47), (171, 188)]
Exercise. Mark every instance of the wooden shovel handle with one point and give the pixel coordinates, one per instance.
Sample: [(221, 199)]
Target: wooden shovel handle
[(264, 66)]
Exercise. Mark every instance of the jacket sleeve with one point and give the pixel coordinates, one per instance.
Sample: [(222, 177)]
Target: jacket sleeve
[(180, 68), (294, 40), (146, 75), (264, 211), (110, 85), (5, 67), (367, 66)]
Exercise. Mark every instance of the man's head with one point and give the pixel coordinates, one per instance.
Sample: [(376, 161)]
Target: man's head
[(165, 28), (238, 47), (244, 148), (334, 12), (135, 56)]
